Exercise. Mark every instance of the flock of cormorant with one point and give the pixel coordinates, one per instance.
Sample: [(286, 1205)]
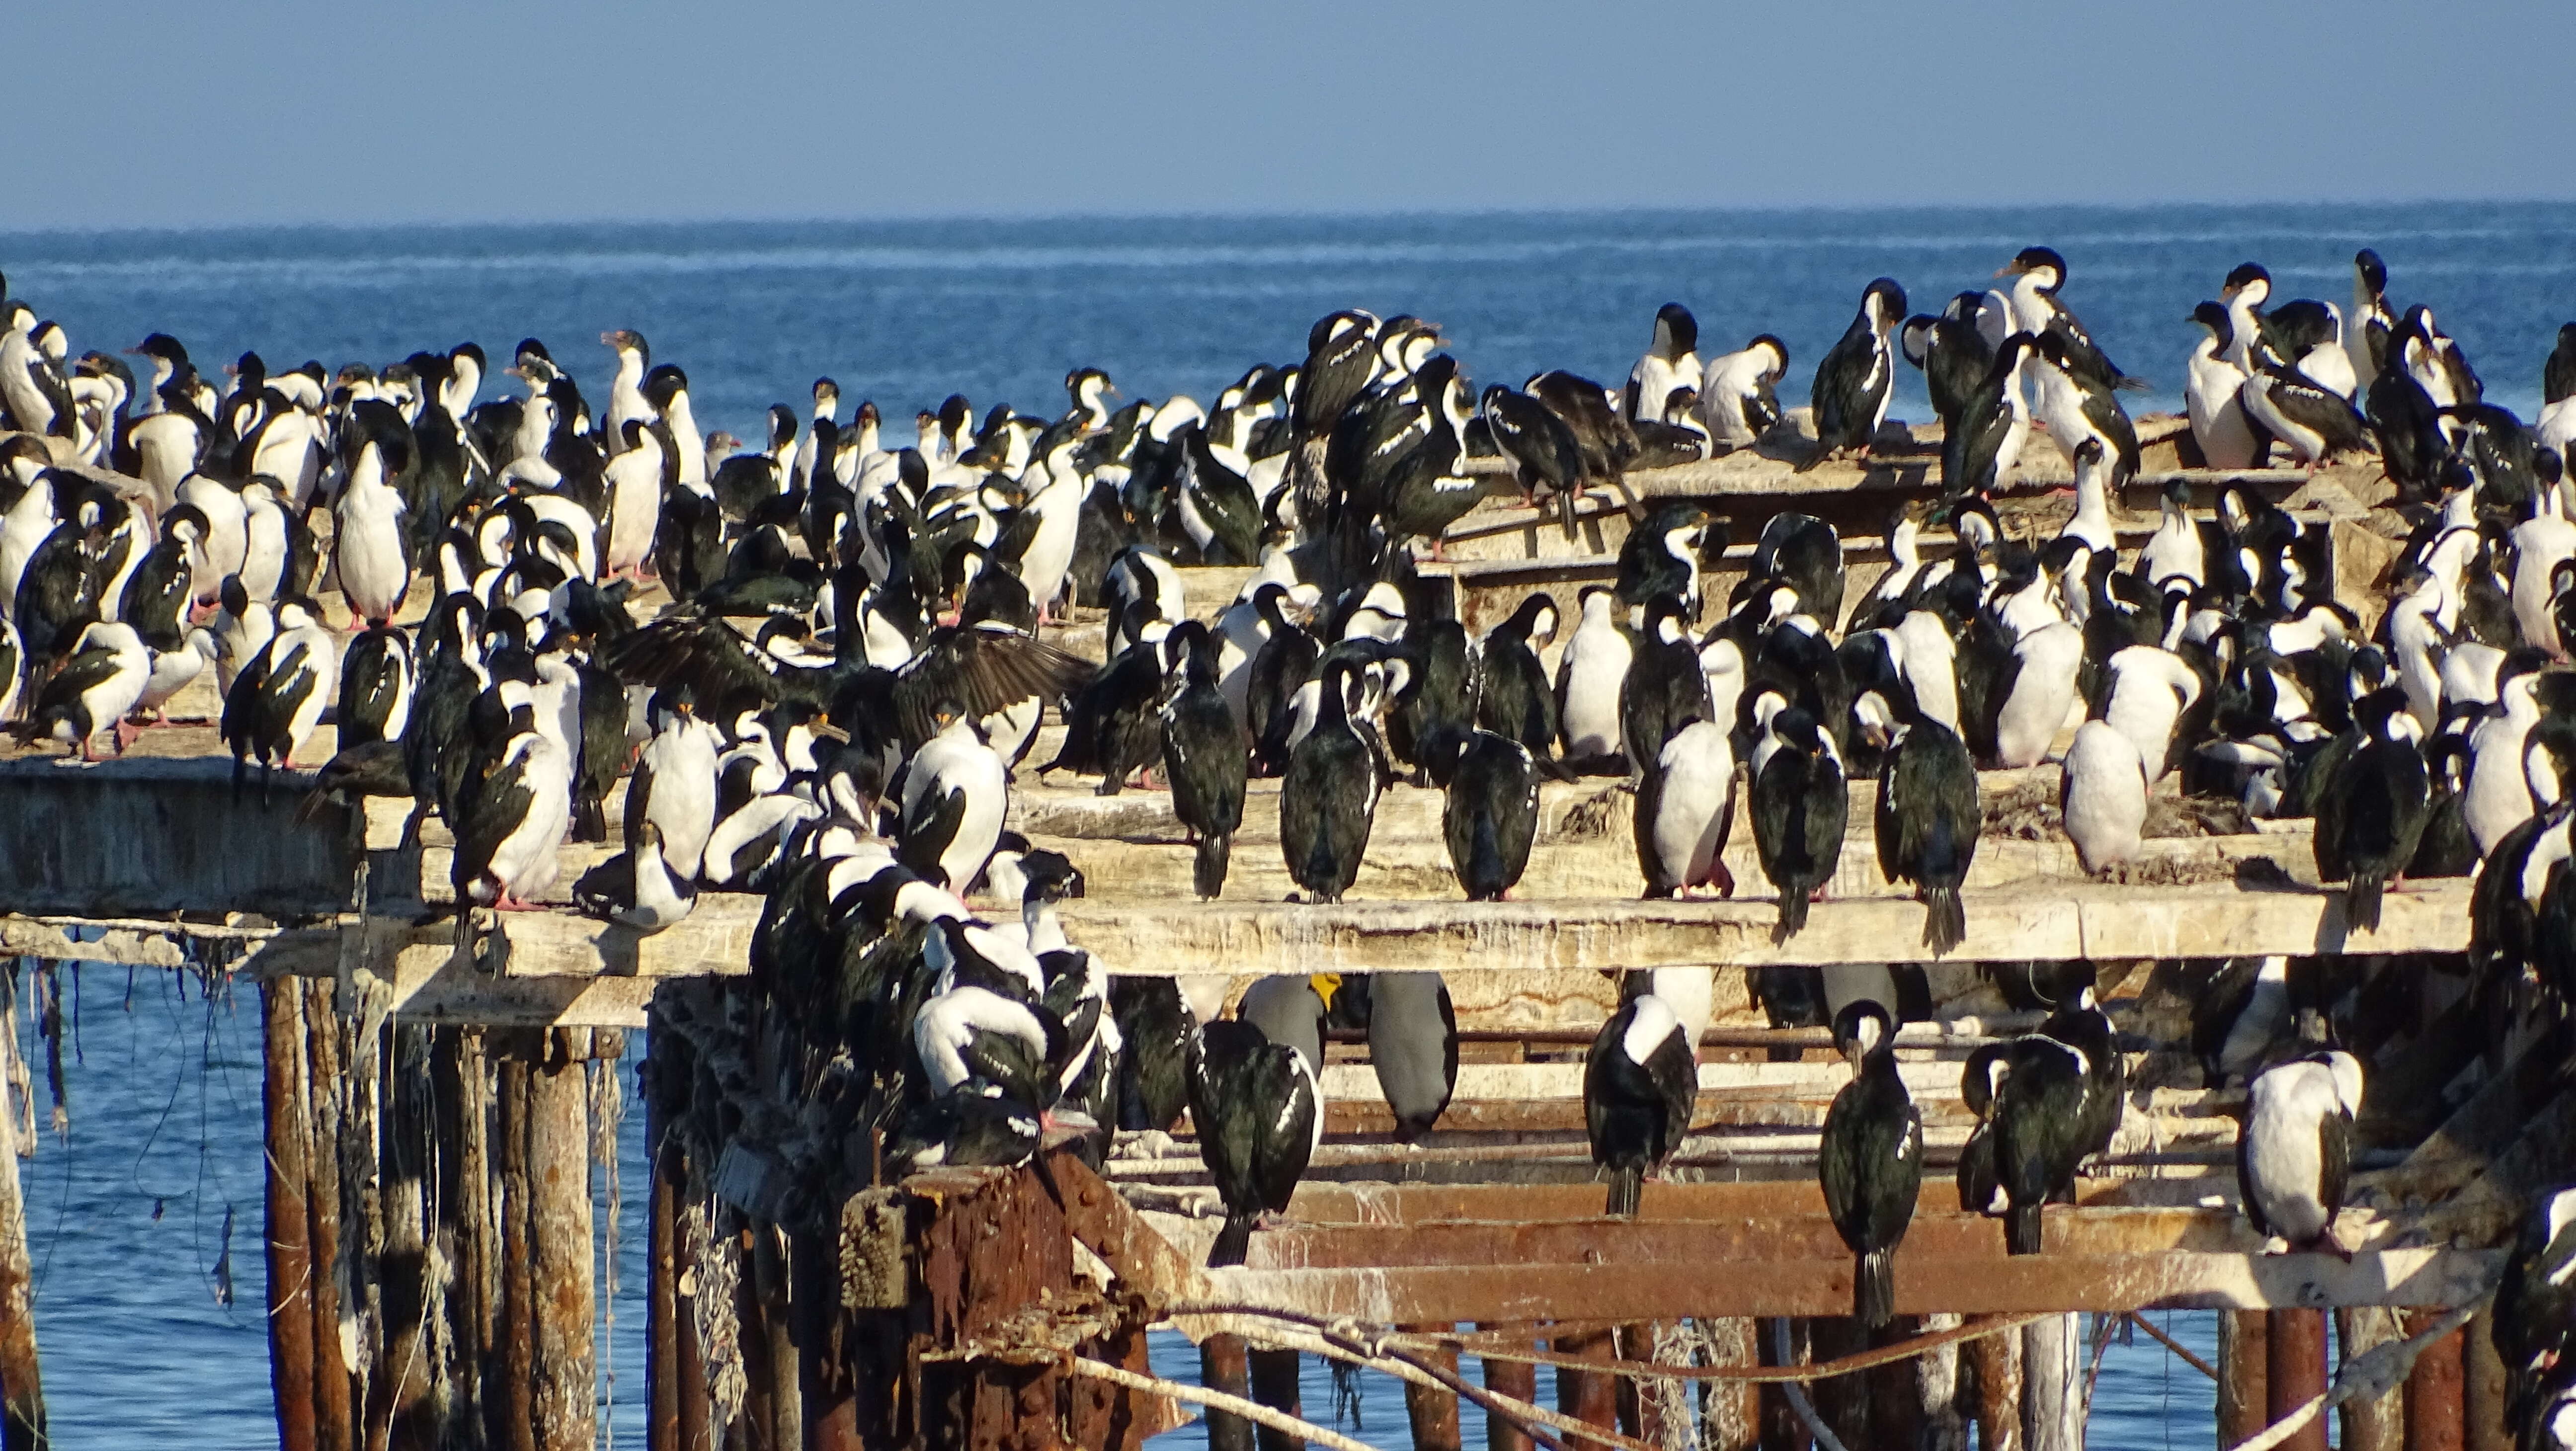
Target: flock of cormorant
[(833, 709)]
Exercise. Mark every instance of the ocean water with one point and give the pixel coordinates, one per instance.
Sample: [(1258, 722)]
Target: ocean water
[(151, 1203)]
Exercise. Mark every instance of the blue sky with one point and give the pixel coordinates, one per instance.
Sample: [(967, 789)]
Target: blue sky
[(160, 114)]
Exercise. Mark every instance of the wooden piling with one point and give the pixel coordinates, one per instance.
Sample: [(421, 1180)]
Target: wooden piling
[(290, 1259), (1274, 1384), (2370, 1423), (1512, 1378), (1995, 1361), (22, 1388), (1781, 1428), (1730, 1411), (1842, 1401), (2241, 1375), (326, 1092), (401, 1415), (1432, 1413), (2482, 1388), (2294, 1373), (2434, 1410), (1935, 1377), (565, 1373), (1224, 1366), (464, 1097), (661, 1261), (2052, 1385), (509, 1419), (1589, 1396)]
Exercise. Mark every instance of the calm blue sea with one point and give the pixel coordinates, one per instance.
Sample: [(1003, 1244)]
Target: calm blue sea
[(129, 1214)]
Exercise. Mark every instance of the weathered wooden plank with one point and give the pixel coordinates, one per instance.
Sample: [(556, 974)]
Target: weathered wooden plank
[(2017, 1284)]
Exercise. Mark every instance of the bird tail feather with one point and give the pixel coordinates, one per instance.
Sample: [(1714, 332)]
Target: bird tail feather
[(1874, 1287), (1945, 920), (1627, 1191), (1232, 1242), (1793, 914), (1216, 848), (2361, 902), (2021, 1228)]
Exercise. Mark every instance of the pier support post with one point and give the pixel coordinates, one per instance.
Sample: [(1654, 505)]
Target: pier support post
[(1935, 1379), (562, 1391), (290, 1259), (2294, 1373), (1274, 1384), (2482, 1388), (336, 1257), (1995, 1360), (1842, 1401), (1431, 1412), (1589, 1397), (1516, 1379), (2052, 1385), (509, 1421), (2241, 1369), (1781, 1428), (1223, 1367), (2434, 1419), (2370, 1423), (1730, 1411)]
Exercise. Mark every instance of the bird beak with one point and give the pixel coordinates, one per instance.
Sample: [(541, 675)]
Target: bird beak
[(2009, 269)]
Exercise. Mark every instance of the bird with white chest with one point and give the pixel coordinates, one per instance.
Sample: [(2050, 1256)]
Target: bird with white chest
[(2294, 1153)]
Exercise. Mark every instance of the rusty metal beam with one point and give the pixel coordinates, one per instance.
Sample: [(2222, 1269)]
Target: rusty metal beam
[(2014, 1284), (1319, 1203), (1942, 1237)]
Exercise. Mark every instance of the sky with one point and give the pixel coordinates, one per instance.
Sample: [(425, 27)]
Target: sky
[(155, 114)]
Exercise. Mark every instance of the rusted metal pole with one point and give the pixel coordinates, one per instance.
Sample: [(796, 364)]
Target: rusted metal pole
[(1995, 1361), (2052, 1385), (2370, 1423), (563, 1393), (2294, 1373), (1510, 1378), (2241, 1374), (1432, 1412), (509, 1377), (2434, 1411), (22, 1384), (1225, 1366), (290, 1258), (2482, 1389), (1588, 1396)]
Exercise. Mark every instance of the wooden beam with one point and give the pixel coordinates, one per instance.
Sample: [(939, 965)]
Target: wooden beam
[(1773, 1287)]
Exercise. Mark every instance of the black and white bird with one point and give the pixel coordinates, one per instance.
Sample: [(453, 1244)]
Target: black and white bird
[(2295, 1150), (2371, 818), (1739, 396), (1800, 802), (1259, 1116), (1685, 809), (1489, 814), (1661, 557), (1413, 1048), (1640, 1083), (2102, 796), (1985, 442), (1515, 699), (2213, 388), (1671, 362), (1328, 800), (1857, 375), (2038, 274), (1870, 1160), (955, 793), (99, 683), (1589, 673), (276, 703), (2037, 1129), (2315, 422), (1928, 815), (2535, 1307), (1204, 756)]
